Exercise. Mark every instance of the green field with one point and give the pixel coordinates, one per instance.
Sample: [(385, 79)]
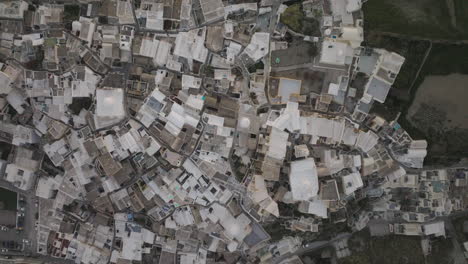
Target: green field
[(461, 12), (429, 19), (421, 18), (445, 59), (71, 13), (294, 18), (396, 250), (446, 145), (412, 50), (8, 200), (385, 250)]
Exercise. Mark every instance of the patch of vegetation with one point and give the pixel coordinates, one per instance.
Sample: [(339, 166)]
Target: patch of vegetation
[(36, 64), (79, 103), (386, 250), (257, 66), (458, 224), (50, 42), (277, 231), (49, 167), (441, 252), (311, 27), (318, 256), (167, 25), (8, 200), (399, 98), (5, 150), (298, 52), (443, 59), (294, 18), (208, 70), (290, 210), (312, 51), (239, 169), (413, 51), (422, 18), (461, 11), (71, 13)]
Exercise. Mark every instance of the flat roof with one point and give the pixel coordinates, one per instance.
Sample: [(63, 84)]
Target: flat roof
[(352, 182), (278, 144), (334, 52), (378, 89), (109, 102), (303, 179), (287, 87)]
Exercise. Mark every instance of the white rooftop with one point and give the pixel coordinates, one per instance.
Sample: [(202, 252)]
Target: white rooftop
[(191, 45), (278, 144), (288, 87), (303, 180), (258, 46), (352, 182), (109, 103), (336, 53)]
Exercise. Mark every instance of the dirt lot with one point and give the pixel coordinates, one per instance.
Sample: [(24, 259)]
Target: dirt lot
[(312, 81), (300, 52)]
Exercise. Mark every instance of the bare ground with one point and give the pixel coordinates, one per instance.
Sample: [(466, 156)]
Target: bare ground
[(446, 97)]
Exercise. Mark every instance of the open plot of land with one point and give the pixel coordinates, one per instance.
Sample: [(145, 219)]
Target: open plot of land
[(294, 18), (8, 200), (441, 122), (312, 81), (422, 18), (446, 59), (385, 250), (448, 95), (439, 109), (413, 51), (458, 224), (297, 53), (461, 13)]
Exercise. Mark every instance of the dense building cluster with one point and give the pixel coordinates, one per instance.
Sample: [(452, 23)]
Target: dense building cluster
[(178, 132)]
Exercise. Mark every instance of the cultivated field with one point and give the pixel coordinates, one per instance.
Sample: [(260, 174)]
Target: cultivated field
[(439, 19), (384, 250), (439, 111), (448, 95)]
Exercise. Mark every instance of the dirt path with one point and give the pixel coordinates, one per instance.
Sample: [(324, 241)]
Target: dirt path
[(428, 51), (410, 37)]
